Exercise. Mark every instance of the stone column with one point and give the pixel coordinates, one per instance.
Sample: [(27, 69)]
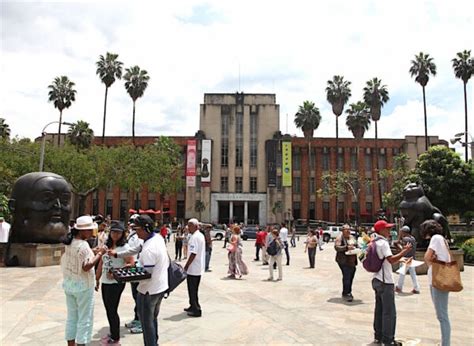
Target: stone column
[(246, 207), (231, 211)]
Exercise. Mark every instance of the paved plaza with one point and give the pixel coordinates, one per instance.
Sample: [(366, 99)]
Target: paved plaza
[(305, 308)]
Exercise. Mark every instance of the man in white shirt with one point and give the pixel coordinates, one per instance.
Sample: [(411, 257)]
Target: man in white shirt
[(154, 258), (195, 267), (284, 239), (4, 230), (385, 316)]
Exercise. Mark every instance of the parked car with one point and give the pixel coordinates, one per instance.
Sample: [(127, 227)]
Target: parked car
[(217, 233), (301, 227), (332, 232), (249, 233)]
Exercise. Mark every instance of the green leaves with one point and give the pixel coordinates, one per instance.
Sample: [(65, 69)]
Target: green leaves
[(338, 92), (109, 68), (136, 81), (61, 92), (80, 135), (308, 118), (422, 67)]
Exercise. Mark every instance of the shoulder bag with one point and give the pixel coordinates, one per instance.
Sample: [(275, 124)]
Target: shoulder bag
[(446, 275)]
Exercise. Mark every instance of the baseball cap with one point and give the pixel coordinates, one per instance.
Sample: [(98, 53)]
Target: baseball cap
[(143, 221), (194, 221), (117, 226), (381, 225), (406, 229)]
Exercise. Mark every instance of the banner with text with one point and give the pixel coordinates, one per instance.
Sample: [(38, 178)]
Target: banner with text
[(191, 163), (286, 163), (271, 151), (206, 161)]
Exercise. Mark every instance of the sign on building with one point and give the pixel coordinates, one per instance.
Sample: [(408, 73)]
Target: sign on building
[(191, 163), (271, 151), (206, 161), (286, 163)]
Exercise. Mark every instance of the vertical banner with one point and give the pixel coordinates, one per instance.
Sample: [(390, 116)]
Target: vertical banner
[(206, 161), (191, 163), (286, 163), (271, 152)]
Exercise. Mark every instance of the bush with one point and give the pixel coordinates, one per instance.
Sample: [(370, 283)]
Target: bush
[(460, 239), (468, 247)]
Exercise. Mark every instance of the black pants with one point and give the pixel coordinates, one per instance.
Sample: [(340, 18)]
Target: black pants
[(348, 273), (178, 249), (257, 251), (134, 286), (312, 256), (385, 314), (193, 290), (287, 253), (111, 296)]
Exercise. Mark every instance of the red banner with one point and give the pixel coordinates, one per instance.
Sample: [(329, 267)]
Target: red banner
[(191, 163)]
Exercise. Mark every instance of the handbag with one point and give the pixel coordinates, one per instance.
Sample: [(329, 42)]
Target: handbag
[(446, 275), (231, 248), (176, 275)]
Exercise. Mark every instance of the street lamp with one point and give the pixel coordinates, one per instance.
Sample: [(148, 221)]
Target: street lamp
[(458, 138), (43, 141)]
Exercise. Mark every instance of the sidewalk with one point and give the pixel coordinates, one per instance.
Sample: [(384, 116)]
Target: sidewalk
[(305, 308)]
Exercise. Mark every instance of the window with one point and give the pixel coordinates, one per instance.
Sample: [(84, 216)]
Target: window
[(238, 185), (224, 184), (225, 136), (312, 159), (354, 207), (253, 139), (396, 151), (383, 186), (368, 162), (253, 184), (296, 210), (325, 210), (368, 207), (340, 161), (354, 161), (312, 185), (224, 125), (279, 183), (312, 210), (296, 160), (382, 161), (109, 209), (225, 152), (296, 185), (151, 204), (368, 189), (95, 205), (123, 209), (325, 159), (239, 146)]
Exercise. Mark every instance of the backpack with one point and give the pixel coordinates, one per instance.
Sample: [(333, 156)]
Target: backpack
[(372, 262), (176, 275), (272, 249)]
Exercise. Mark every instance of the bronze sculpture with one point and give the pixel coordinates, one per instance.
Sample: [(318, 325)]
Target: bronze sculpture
[(40, 205)]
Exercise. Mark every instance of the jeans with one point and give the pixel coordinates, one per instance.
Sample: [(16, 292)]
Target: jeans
[(193, 290), (148, 310), (178, 249), (348, 273), (275, 259), (385, 315), (293, 241), (257, 251), (111, 294), (287, 252), (440, 301), (312, 256), (208, 258), (134, 286), (401, 279), (80, 315)]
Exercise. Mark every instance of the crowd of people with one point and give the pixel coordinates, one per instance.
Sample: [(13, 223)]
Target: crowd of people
[(97, 246)]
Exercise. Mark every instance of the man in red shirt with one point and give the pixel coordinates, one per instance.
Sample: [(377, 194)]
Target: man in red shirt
[(259, 243), (164, 232)]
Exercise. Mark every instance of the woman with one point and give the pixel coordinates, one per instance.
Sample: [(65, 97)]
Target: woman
[(178, 244), (237, 267), (347, 263), (275, 241), (111, 288), (437, 250), (77, 265), (311, 244)]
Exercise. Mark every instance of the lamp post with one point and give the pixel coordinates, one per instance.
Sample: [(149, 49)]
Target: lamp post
[(43, 142), (458, 138)]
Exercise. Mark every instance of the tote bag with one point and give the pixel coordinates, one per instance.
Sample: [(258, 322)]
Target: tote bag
[(446, 275)]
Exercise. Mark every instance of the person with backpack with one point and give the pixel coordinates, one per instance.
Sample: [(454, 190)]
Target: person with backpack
[(274, 251), (379, 260), (347, 263), (405, 238)]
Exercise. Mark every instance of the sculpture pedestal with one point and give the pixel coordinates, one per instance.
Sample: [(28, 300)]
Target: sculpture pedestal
[(36, 254), (457, 254)]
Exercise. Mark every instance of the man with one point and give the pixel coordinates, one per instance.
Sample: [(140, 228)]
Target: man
[(4, 230), (284, 239), (154, 258), (385, 317), (259, 243), (194, 267), (208, 239), (406, 237)]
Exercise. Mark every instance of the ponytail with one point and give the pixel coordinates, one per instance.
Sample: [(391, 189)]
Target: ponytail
[(67, 240)]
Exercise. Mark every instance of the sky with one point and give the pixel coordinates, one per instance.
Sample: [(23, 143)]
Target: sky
[(290, 48)]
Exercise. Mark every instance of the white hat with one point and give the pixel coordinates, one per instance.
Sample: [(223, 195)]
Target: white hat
[(194, 221), (85, 223)]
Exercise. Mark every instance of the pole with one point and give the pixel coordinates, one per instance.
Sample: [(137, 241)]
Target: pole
[(43, 144)]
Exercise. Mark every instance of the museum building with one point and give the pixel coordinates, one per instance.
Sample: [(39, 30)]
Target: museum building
[(238, 167)]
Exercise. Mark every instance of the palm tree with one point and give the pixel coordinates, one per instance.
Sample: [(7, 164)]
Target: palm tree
[(136, 81), (308, 119), (422, 67), (375, 96), (358, 122), (463, 67), (108, 69), (4, 129), (62, 94), (80, 135)]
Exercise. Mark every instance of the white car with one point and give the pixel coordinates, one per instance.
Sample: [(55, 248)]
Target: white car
[(331, 233), (217, 233)]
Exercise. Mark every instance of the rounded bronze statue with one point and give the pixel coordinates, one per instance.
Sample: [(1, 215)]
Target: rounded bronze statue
[(40, 205)]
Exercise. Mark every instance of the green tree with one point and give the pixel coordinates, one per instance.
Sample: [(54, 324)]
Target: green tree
[(308, 119), (108, 69), (447, 180), (80, 135), (4, 129), (136, 81), (337, 94), (463, 67), (421, 68), (62, 95)]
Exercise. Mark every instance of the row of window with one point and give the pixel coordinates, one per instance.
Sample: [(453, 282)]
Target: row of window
[(325, 187), (326, 211), (239, 188)]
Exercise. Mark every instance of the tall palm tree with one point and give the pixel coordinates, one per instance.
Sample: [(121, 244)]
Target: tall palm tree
[(80, 135), (337, 93), (136, 81), (108, 69), (375, 96), (463, 67), (62, 95), (4, 129), (422, 67), (308, 119), (358, 122)]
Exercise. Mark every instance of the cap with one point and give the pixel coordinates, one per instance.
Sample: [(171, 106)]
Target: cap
[(143, 221), (194, 221), (381, 225), (85, 223), (405, 229), (117, 226)]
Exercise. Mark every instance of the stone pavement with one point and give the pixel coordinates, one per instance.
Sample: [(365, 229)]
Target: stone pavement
[(304, 308)]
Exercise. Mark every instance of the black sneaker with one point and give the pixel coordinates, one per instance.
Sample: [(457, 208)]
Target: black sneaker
[(394, 343), (187, 309), (195, 313), (376, 342)]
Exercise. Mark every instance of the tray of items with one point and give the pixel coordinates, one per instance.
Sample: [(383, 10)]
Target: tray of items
[(130, 274)]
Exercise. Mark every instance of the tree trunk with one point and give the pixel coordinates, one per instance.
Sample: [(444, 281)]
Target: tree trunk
[(309, 183), (465, 123), (426, 120), (377, 166), (105, 112), (133, 124), (59, 128), (357, 211), (337, 164)]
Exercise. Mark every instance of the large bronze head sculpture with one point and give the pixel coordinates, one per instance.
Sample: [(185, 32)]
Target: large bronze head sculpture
[(40, 205)]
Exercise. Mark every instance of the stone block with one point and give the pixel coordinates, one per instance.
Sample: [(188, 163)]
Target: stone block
[(37, 254)]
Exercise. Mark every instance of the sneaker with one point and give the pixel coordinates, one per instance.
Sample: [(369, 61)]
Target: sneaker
[(270, 279), (111, 341), (195, 313), (131, 324), (137, 329), (415, 291), (398, 290), (105, 337), (376, 342), (187, 309), (394, 343)]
